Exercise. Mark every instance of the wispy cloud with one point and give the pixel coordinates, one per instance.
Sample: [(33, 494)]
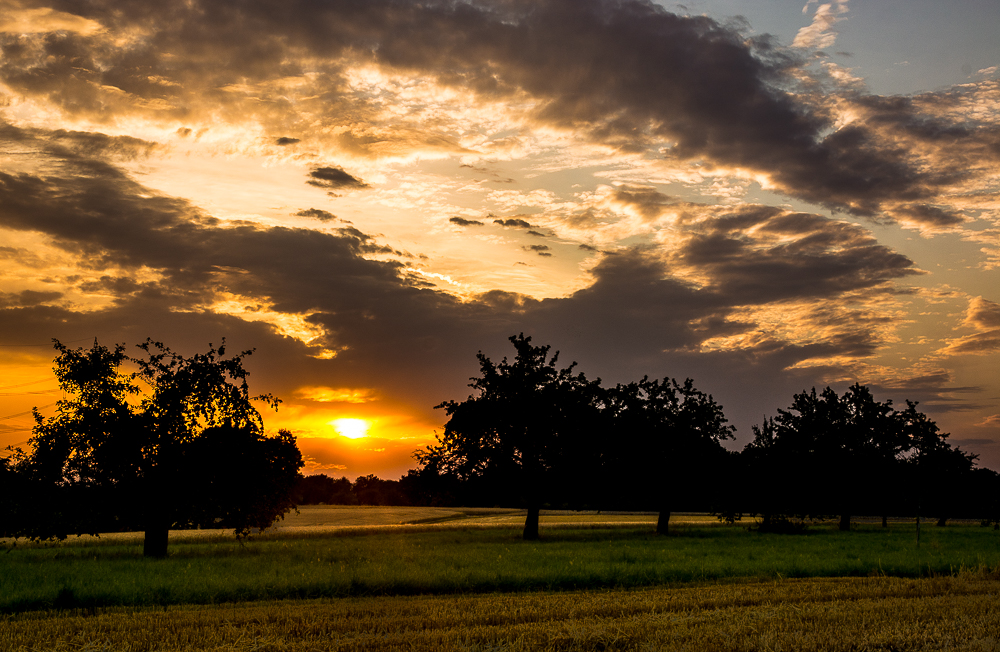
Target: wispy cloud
[(821, 33)]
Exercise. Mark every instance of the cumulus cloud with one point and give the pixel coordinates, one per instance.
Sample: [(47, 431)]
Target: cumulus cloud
[(761, 254), (983, 316), (304, 292), (727, 293), (619, 74), (647, 200)]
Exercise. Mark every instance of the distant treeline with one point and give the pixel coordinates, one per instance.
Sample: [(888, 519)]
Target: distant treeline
[(366, 490), (534, 435)]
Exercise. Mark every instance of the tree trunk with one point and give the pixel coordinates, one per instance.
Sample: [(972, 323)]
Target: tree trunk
[(885, 521), (155, 542), (845, 523), (157, 521), (531, 524), (663, 522), (941, 522)]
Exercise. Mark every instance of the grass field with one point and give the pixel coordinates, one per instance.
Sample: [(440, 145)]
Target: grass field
[(357, 578), (429, 559)]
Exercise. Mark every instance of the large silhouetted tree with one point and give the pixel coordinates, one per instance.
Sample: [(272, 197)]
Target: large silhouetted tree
[(85, 463), (939, 474), (830, 454), (190, 452), (846, 444), (515, 430), (665, 441)]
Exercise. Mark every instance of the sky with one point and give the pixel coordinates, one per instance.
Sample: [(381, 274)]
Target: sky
[(762, 196)]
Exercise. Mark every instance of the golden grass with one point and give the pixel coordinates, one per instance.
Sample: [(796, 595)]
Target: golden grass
[(326, 519), (959, 612)]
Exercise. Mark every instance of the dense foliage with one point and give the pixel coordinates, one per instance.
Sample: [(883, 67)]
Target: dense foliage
[(532, 434), (189, 452)]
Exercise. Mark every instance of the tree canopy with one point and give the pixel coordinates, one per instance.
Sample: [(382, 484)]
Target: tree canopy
[(534, 434), (655, 424), (514, 431), (189, 451)]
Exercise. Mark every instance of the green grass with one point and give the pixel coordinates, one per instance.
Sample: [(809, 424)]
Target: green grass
[(393, 562)]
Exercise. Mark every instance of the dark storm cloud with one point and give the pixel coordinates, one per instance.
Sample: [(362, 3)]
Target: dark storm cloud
[(789, 256), (514, 223), (118, 286), (27, 298), (461, 221), (624, 73), (927, 215), (635, 319), (334, 178), (318, 213), (285, 140)]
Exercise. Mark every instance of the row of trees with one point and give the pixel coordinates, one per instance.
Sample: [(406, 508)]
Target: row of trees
[(535, 434), (852, 454), (175, 444), (321, 489)]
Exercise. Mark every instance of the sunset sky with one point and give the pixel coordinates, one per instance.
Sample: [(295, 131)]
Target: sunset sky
[(763, 196)]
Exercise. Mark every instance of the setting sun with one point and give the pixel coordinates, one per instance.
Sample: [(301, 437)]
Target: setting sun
[(351, 428)]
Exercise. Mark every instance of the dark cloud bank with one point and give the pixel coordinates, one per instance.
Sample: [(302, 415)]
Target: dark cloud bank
[(626, 74), (635, 319)]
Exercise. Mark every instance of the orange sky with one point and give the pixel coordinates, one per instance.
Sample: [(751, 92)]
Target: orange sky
[(370, 193)]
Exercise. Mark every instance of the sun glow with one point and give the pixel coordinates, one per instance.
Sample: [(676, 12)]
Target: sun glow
[(351, 428)]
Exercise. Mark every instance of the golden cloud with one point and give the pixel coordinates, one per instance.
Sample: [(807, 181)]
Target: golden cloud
[(336, 395)]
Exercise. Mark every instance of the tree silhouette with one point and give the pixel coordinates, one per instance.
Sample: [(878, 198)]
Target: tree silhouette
[(769, 468), (321, 488), (846, 444), (515, 430), (938, 473), (191, 453), (86, 456), (850, 454), (666, 439)]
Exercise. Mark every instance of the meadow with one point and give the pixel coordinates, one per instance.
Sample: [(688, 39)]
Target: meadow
[(465, 580)]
